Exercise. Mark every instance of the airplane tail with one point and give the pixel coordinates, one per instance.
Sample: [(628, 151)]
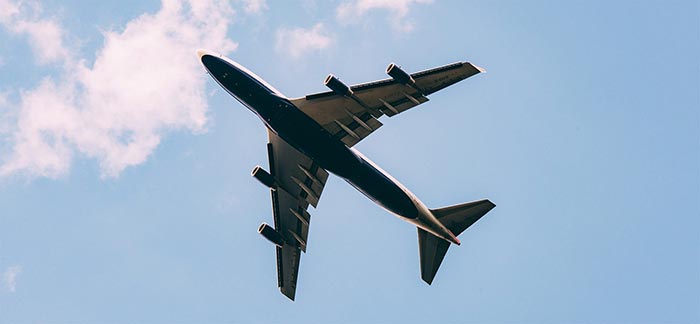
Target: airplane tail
[(456, 218)]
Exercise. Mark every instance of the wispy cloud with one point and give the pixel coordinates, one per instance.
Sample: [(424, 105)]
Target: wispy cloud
[(5, 117), (296, 42), (350, 12), (9, 277), (254, 6), (44, 34), (145, 81), (310, 6)]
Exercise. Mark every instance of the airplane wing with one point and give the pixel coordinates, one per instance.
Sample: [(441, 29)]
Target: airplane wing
[(351, 113), (299, 184)]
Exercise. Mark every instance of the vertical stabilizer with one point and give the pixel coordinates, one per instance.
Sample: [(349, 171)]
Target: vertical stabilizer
[(432, 250), (456, 218)]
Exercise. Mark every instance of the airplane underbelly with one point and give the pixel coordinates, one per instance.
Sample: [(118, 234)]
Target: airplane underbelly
[(382, 190), (307, 136)]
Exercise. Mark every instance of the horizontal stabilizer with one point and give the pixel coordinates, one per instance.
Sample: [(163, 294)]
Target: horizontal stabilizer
[(456, 218)]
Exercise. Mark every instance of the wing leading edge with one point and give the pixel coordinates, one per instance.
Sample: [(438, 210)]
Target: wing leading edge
[(299, 183)]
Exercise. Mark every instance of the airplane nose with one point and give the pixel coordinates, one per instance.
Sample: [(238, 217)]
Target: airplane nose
[(201, 52)]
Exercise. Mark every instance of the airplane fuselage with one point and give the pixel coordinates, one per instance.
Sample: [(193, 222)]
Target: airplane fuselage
[(310, 138)]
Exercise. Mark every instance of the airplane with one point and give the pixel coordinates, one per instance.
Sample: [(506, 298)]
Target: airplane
[(310, 136)]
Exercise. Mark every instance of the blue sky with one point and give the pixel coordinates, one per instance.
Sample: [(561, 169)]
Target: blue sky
[(125, 188)]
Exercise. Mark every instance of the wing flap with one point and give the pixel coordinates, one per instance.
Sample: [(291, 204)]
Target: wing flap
[(298, 175)]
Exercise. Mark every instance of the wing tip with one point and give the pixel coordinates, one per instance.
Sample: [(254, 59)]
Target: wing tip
[(487, 202), (287, 293), (480, 69)]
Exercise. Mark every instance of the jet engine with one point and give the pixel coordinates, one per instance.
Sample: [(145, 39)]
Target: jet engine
[(400, 75), (264, 177), (271, 234), (337, 86)]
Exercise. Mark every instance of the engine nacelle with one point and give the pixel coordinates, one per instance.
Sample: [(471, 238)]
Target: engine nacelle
[(264, 177), (400, 75), (271, 234), (337, 86)]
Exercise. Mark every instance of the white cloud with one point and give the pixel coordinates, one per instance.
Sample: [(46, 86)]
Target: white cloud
[(9, 277), (44, 34), (296, 42), (254, 6), (145, 81), (350, 12), (5, 116)]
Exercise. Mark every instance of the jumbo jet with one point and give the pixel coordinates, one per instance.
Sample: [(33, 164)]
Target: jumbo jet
[(313, 135)]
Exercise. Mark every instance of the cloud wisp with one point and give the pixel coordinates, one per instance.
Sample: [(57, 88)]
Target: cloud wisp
[(254, 6), (144, 82), (44, 34), (9, 277), (350, 12), (297, 42)]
